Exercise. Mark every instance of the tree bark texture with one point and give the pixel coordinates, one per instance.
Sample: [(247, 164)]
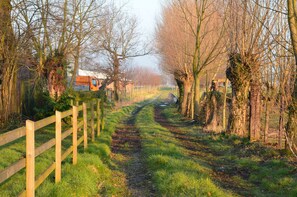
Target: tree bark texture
[(187, 92), (267, 119), (9, 102), (184, 82), (255, 111), (76, 65), (196, 96), (116, 75), (292, 121), (238, 74), (281, 120), (189, 103), (212, 123), (225, 104)]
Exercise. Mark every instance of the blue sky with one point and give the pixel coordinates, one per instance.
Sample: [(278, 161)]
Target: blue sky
[(147, 12)]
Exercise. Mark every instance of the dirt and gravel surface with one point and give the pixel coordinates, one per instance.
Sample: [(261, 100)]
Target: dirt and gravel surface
[(126, 148)]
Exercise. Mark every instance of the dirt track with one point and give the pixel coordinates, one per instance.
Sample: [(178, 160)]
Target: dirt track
[(126, 143)]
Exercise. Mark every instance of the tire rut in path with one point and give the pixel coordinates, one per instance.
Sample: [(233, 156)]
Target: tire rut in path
[(126, 141)]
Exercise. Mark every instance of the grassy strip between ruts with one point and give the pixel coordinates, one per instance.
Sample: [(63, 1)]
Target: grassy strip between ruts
[(255, 170), (173, 173)]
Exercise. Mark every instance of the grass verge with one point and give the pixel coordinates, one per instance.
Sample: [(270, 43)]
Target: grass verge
[(91, 176), (255, 170)]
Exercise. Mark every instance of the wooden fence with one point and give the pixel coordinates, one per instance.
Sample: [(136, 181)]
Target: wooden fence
[(31, 152)]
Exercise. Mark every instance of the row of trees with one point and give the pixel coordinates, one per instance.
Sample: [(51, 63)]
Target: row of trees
[(43, 38), (252, 42), (143, 76)]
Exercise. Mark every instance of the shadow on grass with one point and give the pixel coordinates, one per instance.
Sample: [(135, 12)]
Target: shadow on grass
[(248, 169)]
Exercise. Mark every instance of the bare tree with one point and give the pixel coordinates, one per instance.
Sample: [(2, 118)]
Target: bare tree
[(87, 19), (50, 39), (173, 44), (142, 76), (208, 30), (58, 29), (120, 41)]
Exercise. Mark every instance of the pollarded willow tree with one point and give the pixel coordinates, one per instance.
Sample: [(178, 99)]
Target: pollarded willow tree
[(173, 45), (197, 34), (249, 29), (208, 30)]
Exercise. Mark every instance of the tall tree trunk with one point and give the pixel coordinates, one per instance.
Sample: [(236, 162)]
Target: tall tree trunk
[(281, 119), (76, 66), (187, 89), (255, 110), (237, 119), (239, 75), (196, 95), (8, 64), (77, 54), (189, 103), (292, 121), (212, 119), (267, 118), (192, 103), (225, 104), (116, 79)]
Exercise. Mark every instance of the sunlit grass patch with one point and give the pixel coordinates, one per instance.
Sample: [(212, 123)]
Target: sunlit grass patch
[(89, 177), (255, 169), (92, 175), (83, 179)]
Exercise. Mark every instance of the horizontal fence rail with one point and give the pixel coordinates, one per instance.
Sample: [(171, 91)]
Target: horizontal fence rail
[(32, 182), (12, 135)]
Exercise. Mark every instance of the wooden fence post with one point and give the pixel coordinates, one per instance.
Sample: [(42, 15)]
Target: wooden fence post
[(98, 117), (30, 158), (74, 134), (85, 125), (58, 146), (92, 121)]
